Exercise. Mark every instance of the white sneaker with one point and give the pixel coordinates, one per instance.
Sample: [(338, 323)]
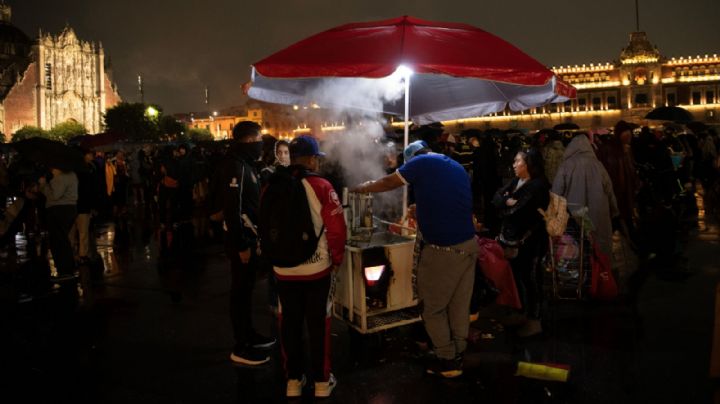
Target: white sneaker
[(324, 389), (295, 386)]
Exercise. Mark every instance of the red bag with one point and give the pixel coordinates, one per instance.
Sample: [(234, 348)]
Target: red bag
[(603, 285), (497, 269)]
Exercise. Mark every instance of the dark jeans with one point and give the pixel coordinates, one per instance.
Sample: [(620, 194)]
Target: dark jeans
[(305, 302), (243, 282), (59, 222)]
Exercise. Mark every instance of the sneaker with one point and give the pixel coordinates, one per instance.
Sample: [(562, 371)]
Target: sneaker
[(447, 368), (324, 389), (249, 357), (295, 386), (262, 342)]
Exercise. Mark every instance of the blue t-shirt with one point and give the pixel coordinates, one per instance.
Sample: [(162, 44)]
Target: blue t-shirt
[(442, 196)]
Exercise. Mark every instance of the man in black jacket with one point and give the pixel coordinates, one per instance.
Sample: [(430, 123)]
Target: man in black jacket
[(86, 203), (236, 192)]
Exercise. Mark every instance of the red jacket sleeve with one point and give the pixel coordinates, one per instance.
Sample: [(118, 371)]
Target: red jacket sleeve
[(333, 218)]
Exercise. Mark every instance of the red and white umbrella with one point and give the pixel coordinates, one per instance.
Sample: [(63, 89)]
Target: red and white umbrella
[(458, 70)]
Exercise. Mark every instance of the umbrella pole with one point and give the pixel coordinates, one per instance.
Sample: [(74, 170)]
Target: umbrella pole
[(405, 144)]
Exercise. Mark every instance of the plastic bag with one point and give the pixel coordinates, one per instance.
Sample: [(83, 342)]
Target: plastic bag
[(603, 286), (497, 269)]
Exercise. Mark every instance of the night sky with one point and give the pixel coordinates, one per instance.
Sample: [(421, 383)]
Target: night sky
[(180, 46)]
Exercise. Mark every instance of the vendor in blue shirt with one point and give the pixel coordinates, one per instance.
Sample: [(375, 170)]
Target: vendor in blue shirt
[(446, 270)]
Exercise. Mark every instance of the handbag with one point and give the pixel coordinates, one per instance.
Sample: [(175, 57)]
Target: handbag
[(603, 286)]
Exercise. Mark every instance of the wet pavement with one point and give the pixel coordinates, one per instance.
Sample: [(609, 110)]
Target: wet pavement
[(150, 329)]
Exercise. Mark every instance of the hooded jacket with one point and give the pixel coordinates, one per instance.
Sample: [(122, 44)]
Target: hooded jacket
[(583, 181), (236, 172)]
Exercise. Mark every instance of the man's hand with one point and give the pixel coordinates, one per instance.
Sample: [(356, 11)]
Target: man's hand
[(511, 202), (360, 188), (245, 256), (385, 183)]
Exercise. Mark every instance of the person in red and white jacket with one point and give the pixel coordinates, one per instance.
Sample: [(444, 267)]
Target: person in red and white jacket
[(305, 290)]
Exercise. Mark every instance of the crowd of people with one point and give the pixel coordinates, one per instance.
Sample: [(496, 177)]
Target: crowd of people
[(638, 182)]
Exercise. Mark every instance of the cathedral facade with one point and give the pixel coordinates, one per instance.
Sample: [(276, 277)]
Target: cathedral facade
[(52, 79)]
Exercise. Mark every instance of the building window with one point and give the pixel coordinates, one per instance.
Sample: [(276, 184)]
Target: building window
[(710, 97), (207, 127), (597, 103), (696, 97), (671, 100), (641, 99), (612, 102), (48, 76), (582, 103), (254, 114)]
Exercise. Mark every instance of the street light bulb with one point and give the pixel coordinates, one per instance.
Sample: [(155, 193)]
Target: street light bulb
[(152, 112), (404, 71)]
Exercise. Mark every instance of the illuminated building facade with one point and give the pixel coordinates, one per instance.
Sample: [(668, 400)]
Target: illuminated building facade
[(52, 79), (221, 123), (281, 121), (627, 89)]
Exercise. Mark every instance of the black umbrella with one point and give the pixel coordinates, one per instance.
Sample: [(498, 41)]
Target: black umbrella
[(697, 127), (566, 126), (672, 114), (50, 153)]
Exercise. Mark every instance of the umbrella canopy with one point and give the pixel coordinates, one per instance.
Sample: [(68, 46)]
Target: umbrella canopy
[(97, 140), (673, 114), (458, 70), (50, 153)]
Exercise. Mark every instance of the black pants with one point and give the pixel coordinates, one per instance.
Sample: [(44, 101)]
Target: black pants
[(528, 272), (305, 302), (243, 282), (59, 222)]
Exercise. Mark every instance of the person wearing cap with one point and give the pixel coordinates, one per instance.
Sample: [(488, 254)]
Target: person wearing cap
[(446, 269), (235, 193), (304, 290)]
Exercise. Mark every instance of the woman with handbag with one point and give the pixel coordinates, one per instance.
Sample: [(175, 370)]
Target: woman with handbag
[(523, 235)]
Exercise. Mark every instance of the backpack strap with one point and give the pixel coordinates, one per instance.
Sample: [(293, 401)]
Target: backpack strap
[(302, 174)]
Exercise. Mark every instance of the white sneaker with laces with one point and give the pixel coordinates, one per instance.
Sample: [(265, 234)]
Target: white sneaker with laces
[(295, 386), (324, 389)]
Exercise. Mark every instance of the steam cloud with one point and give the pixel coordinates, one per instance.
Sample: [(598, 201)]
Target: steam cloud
[(359, 150)]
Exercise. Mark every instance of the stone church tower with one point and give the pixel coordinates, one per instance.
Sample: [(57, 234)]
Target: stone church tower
[(51, 80)]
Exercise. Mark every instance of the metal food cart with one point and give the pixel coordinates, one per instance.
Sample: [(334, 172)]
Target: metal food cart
[(374, 288)]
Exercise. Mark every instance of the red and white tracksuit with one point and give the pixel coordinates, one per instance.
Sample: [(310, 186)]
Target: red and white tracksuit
[(305, 290)]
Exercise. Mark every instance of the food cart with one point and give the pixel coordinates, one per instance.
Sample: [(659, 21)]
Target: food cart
[(374, 287)]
